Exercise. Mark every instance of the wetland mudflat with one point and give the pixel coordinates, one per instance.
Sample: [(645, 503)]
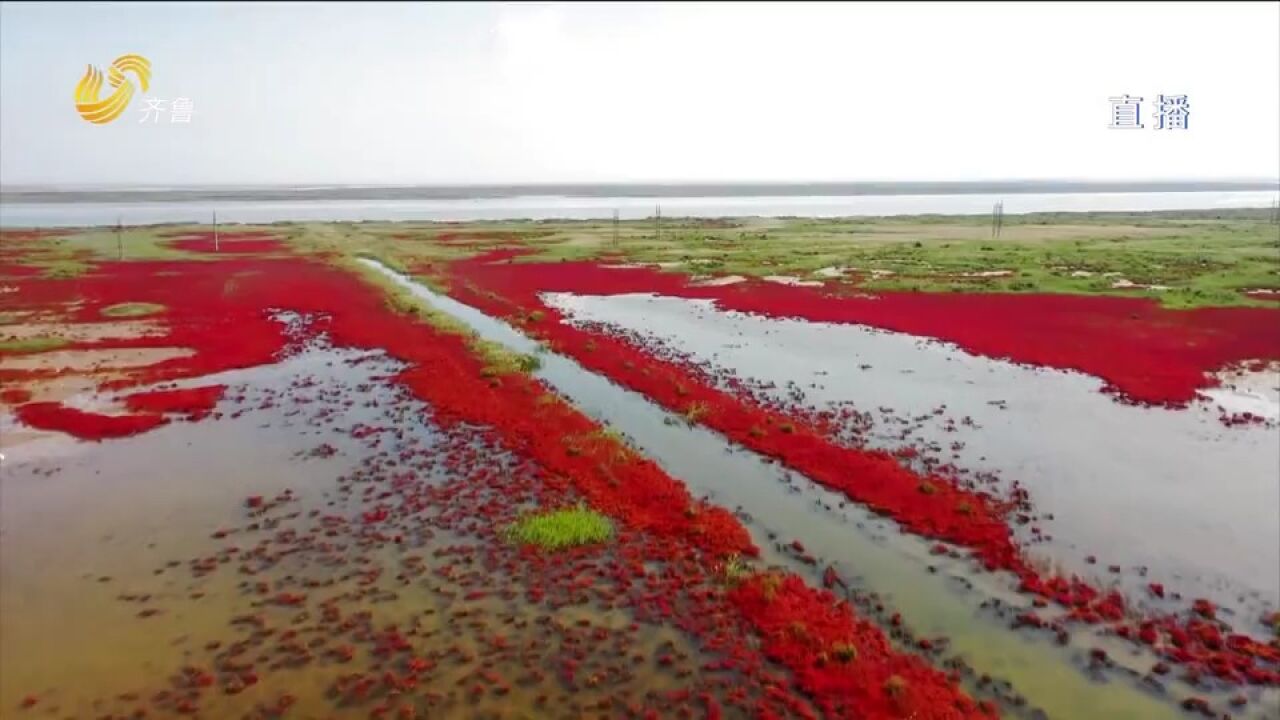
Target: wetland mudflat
[(285, 473)]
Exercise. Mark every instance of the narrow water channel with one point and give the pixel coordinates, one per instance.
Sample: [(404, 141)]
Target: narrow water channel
[(936, 597), (1169, 495)]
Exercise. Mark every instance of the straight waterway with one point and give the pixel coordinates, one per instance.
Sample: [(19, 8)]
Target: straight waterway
[(936, 596)]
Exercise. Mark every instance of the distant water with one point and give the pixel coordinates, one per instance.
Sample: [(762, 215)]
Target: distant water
[(531, 207)]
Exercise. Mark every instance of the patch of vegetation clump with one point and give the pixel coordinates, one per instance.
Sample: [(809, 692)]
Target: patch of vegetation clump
[(32, 345), (562, 529), (132, 309)]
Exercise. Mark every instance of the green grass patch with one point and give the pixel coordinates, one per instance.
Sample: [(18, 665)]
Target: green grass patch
[(497, 359), (132, 243), (561, 529), (63, 268), (1194, 258), (123, 310), (528, 363), (32, 345)]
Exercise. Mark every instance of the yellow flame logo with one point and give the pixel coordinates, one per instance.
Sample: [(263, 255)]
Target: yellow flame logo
[(104, 111)]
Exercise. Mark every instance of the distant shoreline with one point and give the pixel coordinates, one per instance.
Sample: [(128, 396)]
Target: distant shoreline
[(52, 194)]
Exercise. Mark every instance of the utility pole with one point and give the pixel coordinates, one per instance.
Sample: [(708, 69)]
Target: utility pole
[(997, 219), (119, 239), (615, 228), (658, 215), (215, 231)]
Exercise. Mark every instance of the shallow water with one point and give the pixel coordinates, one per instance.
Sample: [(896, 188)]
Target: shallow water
[(93, 536), (74, 513), (937, 597), (73, 214), (107, 516), (1173, 491)]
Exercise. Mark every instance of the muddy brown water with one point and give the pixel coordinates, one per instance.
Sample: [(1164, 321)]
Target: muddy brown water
[(95, 535)]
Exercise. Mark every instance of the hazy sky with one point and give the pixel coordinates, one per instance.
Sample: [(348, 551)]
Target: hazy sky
[(400, 93)]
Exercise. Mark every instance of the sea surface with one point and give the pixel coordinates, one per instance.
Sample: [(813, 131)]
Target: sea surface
[(82, 209)]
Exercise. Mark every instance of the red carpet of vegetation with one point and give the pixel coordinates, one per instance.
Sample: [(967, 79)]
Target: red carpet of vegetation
[(194, 403), (241, 242), (14, 396), (85, 425), (219, 309), (147, 412), (832, 643), (844, 665), (219, 312), (933, 507), (1144, 352)]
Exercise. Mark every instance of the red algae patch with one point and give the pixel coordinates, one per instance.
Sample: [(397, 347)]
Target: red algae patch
[(1145, 353), (85, 425)]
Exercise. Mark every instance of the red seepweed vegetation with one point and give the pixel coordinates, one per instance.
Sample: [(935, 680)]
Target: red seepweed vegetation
[(230, 243), (220, 310), (14, 396), (933, 507), (1144, 352), (85, 425), (194, 403), (805, 629)]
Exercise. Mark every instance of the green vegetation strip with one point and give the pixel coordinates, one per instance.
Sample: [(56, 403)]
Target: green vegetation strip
[(31, 345), (498, 359), (1183, 259), (560, 529), (132, 310)]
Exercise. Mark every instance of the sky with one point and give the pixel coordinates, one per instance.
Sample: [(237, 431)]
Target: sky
[(369, 93)]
